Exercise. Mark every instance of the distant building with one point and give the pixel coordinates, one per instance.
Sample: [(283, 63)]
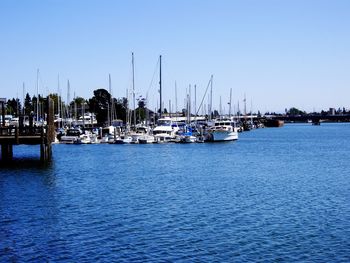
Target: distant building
[(331, 111)]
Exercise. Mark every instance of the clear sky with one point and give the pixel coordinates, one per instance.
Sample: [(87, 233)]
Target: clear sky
[(279, 53)]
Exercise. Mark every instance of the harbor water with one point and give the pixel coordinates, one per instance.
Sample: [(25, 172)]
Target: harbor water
[(275, 195)]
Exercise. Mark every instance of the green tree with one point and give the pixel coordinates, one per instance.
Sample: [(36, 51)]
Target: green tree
[(141, 110), (99, 104), (120, 106), (28, 105), (13, 107), (295, 111), (77, 104)]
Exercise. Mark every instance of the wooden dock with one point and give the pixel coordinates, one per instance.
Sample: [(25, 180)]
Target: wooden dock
[(29, 135)]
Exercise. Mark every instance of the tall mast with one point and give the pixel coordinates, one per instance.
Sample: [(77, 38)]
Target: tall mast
[(111, 102), (238, 111), (229, 111), (176, 100), (127, 108), (133, 87), (195, 103), (58, 101), (211, 97), (169, 112), (251, 110), (37, 95), (160, 86), (188, 108), (245, 107), (189, 103), (68, 99)]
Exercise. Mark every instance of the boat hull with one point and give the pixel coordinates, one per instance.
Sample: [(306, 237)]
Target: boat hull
[(221, 136)]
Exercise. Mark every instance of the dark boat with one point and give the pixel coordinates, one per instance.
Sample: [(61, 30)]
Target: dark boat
[(273, 123)]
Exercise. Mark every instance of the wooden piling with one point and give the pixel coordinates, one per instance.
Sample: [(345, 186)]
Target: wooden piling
[(45, 145), (17, 135), (6, 152)]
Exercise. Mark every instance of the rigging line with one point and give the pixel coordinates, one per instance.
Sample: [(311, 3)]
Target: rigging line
[(206, 90), (154, 73)]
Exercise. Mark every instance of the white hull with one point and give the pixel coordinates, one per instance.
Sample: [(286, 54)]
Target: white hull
[(146, 139), (163, 138), (125, 140), (219, 136), (186, 139), (68, 139)]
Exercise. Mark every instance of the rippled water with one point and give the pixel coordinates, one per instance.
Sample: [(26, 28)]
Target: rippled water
[(278, 194)]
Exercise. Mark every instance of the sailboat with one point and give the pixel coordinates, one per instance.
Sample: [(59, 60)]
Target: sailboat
[(222, 130), (165, 131), (129, 137)]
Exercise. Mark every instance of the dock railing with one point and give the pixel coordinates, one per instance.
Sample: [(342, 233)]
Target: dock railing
[(32, 135)]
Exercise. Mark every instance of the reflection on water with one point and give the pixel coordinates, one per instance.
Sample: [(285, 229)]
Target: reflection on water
[(25, 157), (24, 163)]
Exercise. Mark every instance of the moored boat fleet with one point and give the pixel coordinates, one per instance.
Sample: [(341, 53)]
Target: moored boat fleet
[(166, 130)]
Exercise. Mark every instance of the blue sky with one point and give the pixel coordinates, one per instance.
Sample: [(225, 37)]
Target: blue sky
[(279, 53)]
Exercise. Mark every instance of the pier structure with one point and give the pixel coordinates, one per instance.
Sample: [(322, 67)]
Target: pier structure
[(42, 135), (314, 118)]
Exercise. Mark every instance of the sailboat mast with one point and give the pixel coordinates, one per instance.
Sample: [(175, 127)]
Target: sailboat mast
[(245, 108), (238, 112), (176, 100), (127, 109), (58, 101), (133, 87), (189, 104), (160, 86), (211, 97), (251, 110), (229, 111), (195, 103), (37, 95), (169, 112), (111, 102), (68, 98)]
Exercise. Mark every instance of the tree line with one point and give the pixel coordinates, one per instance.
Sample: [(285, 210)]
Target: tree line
[(101, 104)]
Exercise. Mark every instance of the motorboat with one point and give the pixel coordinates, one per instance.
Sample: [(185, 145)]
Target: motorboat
[(146, 138), (72, 135), (108, 134), (186, 136), (223, 130), (165, 131), (87, 119), (123, 139)]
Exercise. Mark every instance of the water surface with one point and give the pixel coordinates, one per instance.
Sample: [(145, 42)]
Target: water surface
[(279, 194)]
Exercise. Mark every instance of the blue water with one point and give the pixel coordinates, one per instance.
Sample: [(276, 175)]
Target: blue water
[(275, 195)]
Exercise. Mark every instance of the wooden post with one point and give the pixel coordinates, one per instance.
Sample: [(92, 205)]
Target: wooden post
[(49, 152), (50, 121), (48, 136), (6, 152), (17, 135), (42, 146)]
